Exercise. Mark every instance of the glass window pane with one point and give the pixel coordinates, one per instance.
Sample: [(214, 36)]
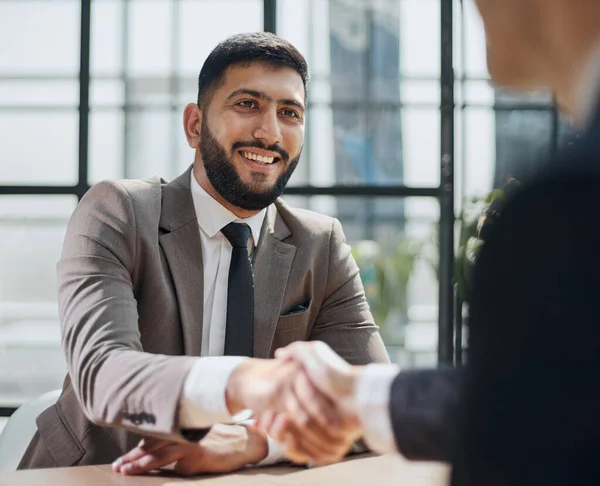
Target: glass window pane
[(106, 56), (151, 144), (479, 92), (149, 91), (203, 24), (303, 23), (523, 142), (32, 230), (394, 242), (367, 124), (421, 147), (420, 38), (150, 37), (420, 92), (380, 146), (38, 147), (472, 44), (106, 145), (478, 154), (43, 37), (107, 93), (187, 91), (501, 143), (40, 93)]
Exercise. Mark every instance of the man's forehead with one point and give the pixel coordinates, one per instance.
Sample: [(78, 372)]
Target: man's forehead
[(274, 81)]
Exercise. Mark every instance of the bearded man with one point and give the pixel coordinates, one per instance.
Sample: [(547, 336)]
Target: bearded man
[(166, 288)]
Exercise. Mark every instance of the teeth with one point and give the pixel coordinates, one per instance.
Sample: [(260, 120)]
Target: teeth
[(259, 158)]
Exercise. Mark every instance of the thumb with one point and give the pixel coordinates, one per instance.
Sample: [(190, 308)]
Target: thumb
[(317, 361)]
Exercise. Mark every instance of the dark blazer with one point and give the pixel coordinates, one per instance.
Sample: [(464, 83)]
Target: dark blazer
[(526, 409), (532, 384)]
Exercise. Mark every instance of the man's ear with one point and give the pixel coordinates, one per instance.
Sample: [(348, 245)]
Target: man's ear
[(192, 121)]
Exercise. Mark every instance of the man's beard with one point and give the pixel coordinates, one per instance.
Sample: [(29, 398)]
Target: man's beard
[(223, 176)]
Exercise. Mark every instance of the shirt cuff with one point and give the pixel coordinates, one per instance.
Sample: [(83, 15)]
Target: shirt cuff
[(202, 401), (372, 404), (275, 453)]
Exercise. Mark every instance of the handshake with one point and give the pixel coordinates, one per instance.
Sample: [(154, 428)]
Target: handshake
[(303, 400)]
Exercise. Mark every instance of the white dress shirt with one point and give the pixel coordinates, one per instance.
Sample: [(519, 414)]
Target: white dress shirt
[(203, 398)]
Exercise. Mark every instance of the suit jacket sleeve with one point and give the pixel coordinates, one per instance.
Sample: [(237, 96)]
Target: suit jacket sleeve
[(344, 320), (116, 382), (424, 410)]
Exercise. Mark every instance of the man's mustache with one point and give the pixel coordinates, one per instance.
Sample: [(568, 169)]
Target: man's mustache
[(256, 144)]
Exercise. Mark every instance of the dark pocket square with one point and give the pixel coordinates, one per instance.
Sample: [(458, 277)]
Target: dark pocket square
[(298, 309)]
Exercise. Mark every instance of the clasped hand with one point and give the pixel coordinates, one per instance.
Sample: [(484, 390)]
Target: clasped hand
[(302, 399)]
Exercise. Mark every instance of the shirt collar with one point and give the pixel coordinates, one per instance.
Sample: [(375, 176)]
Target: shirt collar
[(588, 94), (212, 216)]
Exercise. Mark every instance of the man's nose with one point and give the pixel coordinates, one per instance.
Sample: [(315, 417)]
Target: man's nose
[(268, 130)]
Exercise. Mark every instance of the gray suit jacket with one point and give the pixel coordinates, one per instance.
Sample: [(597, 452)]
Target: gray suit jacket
[(130, 301)]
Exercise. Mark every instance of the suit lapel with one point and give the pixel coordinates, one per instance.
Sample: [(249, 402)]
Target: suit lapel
[(180, 242), (272, 264)]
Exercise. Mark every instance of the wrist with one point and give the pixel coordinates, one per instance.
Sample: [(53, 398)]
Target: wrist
[(237, 384), (350, 380), (258, 445)]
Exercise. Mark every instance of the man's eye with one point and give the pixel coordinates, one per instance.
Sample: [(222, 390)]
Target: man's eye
[(291, 113), (247, 104)]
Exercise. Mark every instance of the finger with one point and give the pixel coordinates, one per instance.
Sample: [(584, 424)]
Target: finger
[(300, 449), (292, 452), (189, 466), (313, 364), (314, 404), (317, 433), (310, 442), (278, 427), (144, 447), (154, 460), (265, 421), (320, 447)]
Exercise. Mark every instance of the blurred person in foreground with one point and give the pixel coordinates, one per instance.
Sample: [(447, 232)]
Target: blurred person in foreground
[(529, 408), (167, 289)]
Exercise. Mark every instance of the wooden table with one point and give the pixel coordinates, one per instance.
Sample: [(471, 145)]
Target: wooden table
[(356, 471)]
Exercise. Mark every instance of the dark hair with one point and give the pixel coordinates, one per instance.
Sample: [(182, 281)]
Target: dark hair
[(246, 49)]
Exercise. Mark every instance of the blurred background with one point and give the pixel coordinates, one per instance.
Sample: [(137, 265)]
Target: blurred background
[(404, 130)]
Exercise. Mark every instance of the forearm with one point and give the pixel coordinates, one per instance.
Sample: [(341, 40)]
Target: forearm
[(133, 390), (424, 412)]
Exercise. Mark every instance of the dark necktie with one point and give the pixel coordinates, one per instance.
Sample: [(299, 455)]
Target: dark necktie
[(239, 331)]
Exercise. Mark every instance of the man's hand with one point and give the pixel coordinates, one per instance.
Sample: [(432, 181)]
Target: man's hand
[(273, 385), (327, 382), (310, 444), (224, 449), (327, 371), (310, 426)]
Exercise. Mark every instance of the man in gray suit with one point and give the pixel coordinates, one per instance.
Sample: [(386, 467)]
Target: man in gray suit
[(166, 288)]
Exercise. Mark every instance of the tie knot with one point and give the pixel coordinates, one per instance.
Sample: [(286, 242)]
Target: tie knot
[(237, 234)]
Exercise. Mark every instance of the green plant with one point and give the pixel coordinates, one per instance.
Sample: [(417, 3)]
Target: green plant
[(474, 231), (385, 268), (475, 221)]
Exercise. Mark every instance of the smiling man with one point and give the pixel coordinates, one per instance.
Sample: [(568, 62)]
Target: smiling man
[(166, 288)]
